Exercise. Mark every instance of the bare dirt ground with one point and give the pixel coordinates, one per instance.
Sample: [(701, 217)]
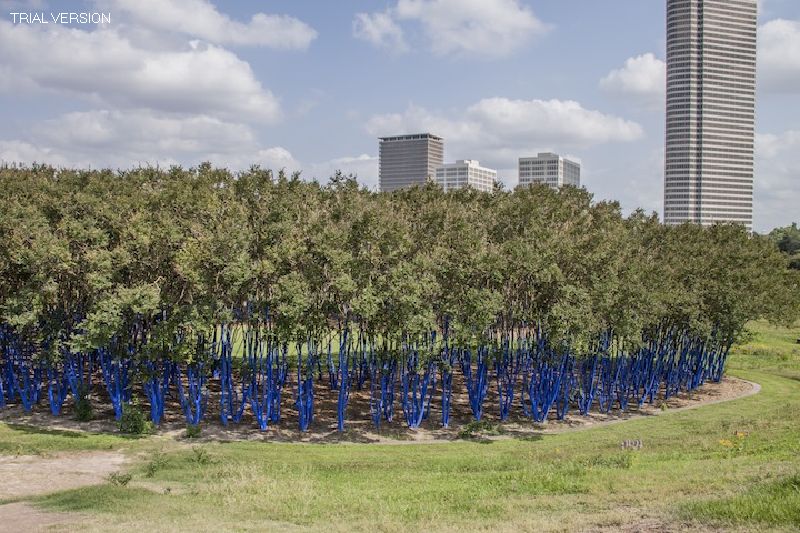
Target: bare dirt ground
[(28, 475), (359, 427), (23, 517), (31, 475), (653, 525)]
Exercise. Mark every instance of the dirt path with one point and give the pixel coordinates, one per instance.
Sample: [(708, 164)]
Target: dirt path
[(31, 475), (24, 476), (23, 518)]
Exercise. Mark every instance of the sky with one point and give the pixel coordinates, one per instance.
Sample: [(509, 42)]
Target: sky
[(309, 86)]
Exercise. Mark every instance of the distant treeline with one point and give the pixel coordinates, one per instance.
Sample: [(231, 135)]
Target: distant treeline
[(788, 241)]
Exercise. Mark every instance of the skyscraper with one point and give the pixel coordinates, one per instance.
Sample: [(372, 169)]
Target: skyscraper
[(550, 169), (711, 69), (406, 160)]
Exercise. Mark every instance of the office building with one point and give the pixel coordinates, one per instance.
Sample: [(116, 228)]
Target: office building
[(406, 160), (711, 68), (550, 169), (466, 172)]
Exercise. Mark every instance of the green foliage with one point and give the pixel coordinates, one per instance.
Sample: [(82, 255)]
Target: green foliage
[(477, 428), (200, 455), (158, 460), (788, 241), (92, 257), (134, 421), (83, 407), (193, 431), (787, 238), (121, 479)]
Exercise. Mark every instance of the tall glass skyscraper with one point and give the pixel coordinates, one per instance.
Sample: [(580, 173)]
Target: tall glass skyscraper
[(711, 71)]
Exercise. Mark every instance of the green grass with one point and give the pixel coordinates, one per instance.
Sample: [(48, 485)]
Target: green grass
[(775, 503), (19, 439), (731, 466), (770, 348)]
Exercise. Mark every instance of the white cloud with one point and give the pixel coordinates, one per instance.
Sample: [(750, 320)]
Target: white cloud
[(779, 56), (490, 28), (17, 151), (769, 145), (199, 18), (120, 139), (643, 78), (562, 121), (364, 167), (22, 5), (124, 139), (775, 184), (416, 119), (142, 133), (380, 30), (498, 130), (104, 65)]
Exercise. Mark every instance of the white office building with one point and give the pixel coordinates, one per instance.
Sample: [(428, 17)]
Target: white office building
[(466, 172), (408, 160), (550, 169)]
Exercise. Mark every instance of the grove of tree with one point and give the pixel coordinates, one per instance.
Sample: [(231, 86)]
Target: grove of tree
[(149, 262)]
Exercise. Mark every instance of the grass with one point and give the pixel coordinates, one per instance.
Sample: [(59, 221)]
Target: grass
[(731, 466), (773, 503), (19, 439), (770, 349)]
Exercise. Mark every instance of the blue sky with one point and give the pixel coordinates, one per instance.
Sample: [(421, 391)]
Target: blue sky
[(309, 86)]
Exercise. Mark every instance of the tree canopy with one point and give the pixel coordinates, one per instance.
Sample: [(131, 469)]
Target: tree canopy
[(788, 241), (88, 256)]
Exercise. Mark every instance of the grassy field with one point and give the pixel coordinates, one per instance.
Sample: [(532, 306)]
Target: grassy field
[(729, 466)]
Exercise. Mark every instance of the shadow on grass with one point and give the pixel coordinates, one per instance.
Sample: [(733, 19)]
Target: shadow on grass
[(67, 433), (96, 498), (36, 430)]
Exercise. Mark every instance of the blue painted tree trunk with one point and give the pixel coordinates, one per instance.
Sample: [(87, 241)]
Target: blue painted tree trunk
[(477, 382), (194, 396), (544, 384), (156, 387), (343, 378), (57, 386), (305, 385), (588, 383), (116, 376), (568, 384), (234, 394), (416, 380)]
